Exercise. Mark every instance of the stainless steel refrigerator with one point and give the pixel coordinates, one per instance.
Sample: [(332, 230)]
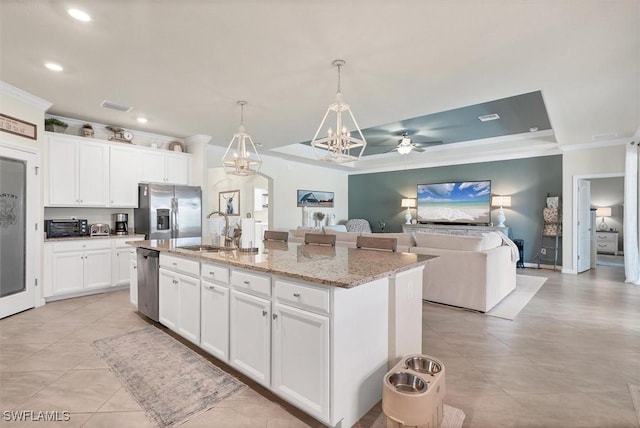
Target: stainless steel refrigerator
[(166, 211)]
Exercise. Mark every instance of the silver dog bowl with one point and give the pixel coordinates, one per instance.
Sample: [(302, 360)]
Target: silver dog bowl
[(423, 365), (407, 383)]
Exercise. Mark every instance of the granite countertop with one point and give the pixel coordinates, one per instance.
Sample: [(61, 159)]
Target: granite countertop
[(333, 266), (76, 238)]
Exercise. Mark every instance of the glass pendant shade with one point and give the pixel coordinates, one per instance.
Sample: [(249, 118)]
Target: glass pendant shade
[(339, 145), (241, 157)]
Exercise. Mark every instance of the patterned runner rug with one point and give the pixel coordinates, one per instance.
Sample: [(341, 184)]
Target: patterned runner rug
[(171, 382)]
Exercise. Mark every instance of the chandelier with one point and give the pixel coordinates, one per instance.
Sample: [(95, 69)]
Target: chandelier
[(241, 157), (339, 146)]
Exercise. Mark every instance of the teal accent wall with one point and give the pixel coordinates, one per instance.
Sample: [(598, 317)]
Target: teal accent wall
[(376, 196)]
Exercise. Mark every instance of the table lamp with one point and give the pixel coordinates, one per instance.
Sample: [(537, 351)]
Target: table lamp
[(408, 203), (501, 201), (603, 212)]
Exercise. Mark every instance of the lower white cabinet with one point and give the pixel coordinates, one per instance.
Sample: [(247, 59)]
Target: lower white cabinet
[(300, 359), (179, 303), (250, 336), (214, 316), (120, 265), (75, 266), (133, 282)]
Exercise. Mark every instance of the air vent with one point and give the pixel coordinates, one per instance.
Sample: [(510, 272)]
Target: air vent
[(488, 117), (604, 136), (114, 106)]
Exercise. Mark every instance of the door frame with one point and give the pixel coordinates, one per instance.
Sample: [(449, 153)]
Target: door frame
[(574, 213), (34, 238)]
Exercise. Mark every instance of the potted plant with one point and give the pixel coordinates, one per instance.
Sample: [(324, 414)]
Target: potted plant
[(55, 125)]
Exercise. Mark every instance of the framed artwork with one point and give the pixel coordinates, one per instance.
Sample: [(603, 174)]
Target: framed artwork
[(229, 202), (18, 127), (313, 198)]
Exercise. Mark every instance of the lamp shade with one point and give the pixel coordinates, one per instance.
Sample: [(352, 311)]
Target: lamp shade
[(408, 203), (603, 212), (501, 201)]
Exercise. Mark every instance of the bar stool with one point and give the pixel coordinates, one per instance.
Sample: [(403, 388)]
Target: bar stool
[(376, 243), (320, 238), (274, 235)]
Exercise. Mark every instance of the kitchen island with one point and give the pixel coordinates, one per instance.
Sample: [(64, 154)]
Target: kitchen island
[(319, 326)]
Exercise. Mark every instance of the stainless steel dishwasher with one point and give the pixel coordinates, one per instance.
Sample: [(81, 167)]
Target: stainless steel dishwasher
[(148, 265)]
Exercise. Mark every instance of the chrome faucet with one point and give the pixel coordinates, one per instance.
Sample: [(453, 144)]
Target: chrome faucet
[(228, 242)]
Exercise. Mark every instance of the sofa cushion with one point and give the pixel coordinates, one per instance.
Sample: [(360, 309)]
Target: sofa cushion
[(491, 240), (449, 242), (336, 228), (403, 239)]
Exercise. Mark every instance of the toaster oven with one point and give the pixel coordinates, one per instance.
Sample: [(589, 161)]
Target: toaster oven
[(66, 228)]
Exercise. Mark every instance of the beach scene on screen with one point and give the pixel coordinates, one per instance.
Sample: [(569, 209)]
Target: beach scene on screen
[(460, 202)]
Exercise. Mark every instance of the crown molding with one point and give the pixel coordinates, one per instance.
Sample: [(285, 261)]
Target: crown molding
[(594, 145), (198, 139), (24, 96)]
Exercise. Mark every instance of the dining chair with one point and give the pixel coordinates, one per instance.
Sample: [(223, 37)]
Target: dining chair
[(274, 235), (320, 238), (381, 243)]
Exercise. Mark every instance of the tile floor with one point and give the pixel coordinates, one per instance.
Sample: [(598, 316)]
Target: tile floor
[(565, 361)]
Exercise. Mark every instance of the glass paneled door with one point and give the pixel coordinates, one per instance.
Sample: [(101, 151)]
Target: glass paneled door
[(17, 210)]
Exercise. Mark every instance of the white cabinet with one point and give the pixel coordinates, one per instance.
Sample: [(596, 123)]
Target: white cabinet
[(607, 242), (214, 310), (168, 299), (161, 166), (133, 280), (121, 260), (78, 172), (177, 168), (179, 296), (94, 173), (76, 266), (300, 359), (123, 176), (250, 336)]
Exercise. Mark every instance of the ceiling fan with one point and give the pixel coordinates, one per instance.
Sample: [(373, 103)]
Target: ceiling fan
[(405, 145)]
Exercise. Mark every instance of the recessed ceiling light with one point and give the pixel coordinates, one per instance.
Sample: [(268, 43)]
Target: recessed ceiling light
[(533, 129), (53, 66), (79, 15), (488, 117), (142, 119)]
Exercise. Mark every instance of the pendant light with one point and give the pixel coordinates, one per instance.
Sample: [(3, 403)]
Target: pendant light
[(339, 146), (241, 157)]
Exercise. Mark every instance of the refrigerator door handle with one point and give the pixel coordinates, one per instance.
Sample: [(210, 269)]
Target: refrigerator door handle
[(175, 230)]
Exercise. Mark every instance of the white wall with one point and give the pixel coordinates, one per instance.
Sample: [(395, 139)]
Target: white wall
[(603, 160), (286, 178), (24, 106)]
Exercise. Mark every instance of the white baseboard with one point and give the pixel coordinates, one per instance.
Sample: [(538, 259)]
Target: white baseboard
[(86, 292)]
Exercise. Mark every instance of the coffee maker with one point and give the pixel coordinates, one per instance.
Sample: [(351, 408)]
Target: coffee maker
[(121, 223)]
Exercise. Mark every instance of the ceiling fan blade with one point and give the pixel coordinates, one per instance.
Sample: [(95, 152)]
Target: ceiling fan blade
[(417, 149), (427, 143)]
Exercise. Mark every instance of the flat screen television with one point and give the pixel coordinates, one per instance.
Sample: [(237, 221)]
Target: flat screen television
[(456, 202)]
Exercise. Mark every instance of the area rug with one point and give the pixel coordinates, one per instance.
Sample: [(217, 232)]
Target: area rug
[(171, 382), (526, 287), (453, 418), (610, 260)]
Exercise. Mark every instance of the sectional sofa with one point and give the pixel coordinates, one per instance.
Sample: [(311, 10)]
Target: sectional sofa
[(474, 272)]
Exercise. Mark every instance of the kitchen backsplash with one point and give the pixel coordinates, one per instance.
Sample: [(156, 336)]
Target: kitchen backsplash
[(93, 215)]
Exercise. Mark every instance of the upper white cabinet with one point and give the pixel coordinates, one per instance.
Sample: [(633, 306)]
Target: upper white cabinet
[(162, 166), (123, 172), (78, 173), (94, 173)]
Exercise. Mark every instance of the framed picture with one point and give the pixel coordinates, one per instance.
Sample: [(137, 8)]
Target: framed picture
[(18, 127), (229, 202), (314, 198)]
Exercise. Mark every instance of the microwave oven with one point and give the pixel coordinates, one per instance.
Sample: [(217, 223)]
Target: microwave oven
[(66, 228)]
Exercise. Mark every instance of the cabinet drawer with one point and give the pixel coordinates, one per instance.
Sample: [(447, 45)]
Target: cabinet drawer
[(302, 296), (83, 245), (252, 283), (607, 237), (215, 273), (190, 267)]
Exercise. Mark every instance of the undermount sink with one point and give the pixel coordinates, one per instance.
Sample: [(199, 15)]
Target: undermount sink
[(202, 247)]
